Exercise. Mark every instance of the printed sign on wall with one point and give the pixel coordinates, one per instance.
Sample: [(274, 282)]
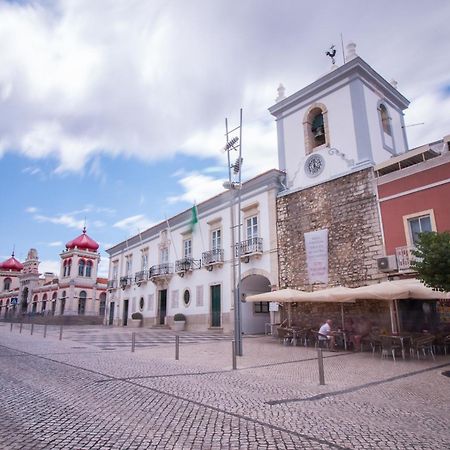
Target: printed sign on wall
[(316, 245)]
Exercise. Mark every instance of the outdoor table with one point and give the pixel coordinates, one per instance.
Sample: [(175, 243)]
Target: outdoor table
[(342, 334), (402, 338), (269, 328)]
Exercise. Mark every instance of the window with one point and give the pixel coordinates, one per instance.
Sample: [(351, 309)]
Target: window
[(7, 284), (81, 265), (216, 239), (261, 307), (82, 303), (187, 248), (115, 269), (102, 307), (63, 303), (69, 266), (419, 225), (141, 303), (385, 120), (315, 127), (128, 265), (318, 129), (164, 255), (186, 297), (66, 268), (89, 268), (144, 259), (251, 227)]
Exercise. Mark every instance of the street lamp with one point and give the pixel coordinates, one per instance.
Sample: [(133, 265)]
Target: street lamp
[(234, 184)]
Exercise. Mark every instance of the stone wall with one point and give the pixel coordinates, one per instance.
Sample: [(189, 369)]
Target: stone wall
[(347, 207)]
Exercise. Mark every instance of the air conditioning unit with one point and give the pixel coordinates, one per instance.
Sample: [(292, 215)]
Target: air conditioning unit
[(387, 263)]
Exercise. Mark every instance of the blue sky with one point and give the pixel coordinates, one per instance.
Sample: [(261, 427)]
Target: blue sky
[(116, 114)]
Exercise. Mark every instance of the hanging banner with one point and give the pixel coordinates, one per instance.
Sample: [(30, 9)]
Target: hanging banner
[(316, 245)]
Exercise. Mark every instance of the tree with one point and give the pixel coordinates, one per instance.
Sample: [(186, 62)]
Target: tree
[(433, 260)]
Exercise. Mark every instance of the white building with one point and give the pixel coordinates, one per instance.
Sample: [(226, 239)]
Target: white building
[(175, 267)]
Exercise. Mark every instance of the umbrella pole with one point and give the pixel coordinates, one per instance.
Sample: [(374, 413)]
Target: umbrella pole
[(342, 315), (289, 315)]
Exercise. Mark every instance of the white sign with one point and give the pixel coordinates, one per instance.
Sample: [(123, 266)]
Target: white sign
[(273, 306), (316, 245)]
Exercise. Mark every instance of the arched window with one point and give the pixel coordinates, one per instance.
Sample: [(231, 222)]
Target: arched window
[(315, 127), (82, 303), (69, 266), (7, 284), (385, 119), (63, 303), (81, 265), (89, 268), (102, 307), (54, 303)]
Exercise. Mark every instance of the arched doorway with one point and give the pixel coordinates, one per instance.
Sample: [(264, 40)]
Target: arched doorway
[(24, 302), (254, 316)]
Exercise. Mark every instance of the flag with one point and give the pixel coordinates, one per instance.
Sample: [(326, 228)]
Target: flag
[(194, 218)]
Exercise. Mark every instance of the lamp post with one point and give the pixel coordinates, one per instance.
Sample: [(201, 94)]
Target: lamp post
[(234, 184)]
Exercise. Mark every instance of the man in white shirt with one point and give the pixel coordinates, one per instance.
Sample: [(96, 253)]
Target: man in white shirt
[(325, 334)]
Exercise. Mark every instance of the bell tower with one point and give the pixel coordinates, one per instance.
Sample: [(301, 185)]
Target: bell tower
[(349, 119)]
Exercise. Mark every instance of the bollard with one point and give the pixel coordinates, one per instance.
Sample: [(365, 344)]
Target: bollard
[(20, 328), (32, 328), (177, 347), (45, 331), (60, 332), (10, 329), (321, 372), (233, 354), (133, 341)]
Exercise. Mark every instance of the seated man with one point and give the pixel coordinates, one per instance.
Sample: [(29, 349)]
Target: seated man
[(325, 334)]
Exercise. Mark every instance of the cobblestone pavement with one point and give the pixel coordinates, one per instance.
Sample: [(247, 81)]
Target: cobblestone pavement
[(72, 394)]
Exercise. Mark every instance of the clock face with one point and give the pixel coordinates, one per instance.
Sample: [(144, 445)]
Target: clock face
[(314, 165)]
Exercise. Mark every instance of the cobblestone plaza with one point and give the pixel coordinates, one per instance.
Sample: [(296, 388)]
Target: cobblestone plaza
[(89, 391)]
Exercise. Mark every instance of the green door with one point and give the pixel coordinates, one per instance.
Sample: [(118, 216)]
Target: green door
[(125, 313), (162, 306), (111, 313), (215, 306)]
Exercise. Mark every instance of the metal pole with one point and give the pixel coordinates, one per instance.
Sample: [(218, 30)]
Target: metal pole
[(238, 294), (177, 347), (60, 332), (20, 327), (321, 372), (11, 327), (45, 331), (32, 328), (233, 354), (133, 341)]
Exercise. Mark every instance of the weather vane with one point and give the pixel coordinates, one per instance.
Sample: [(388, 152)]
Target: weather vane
[(331, 53)]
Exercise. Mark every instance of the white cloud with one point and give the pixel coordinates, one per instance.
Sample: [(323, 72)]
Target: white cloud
[(133, 224), (103, 267), (150, 79), (55, 244), (31, 209), (49, 265), (61, 219)]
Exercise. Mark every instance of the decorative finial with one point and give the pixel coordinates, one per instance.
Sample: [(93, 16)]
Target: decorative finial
[(14, 249), (331, 53), (351, 51), (84, 229), (281, 93)]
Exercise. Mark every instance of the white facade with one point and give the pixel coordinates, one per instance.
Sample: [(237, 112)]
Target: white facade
[(176, 268), (359, 123)]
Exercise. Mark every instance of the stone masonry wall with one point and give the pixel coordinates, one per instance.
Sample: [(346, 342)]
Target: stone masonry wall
[(347, 207)]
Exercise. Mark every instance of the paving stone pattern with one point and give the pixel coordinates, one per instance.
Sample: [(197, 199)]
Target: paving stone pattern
[(72, 394)]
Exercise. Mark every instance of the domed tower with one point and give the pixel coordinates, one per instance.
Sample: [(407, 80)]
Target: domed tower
[(80, 260), (29, 279), (9, 272)]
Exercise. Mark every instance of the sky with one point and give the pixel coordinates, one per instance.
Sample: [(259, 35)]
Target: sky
[(112, 112)]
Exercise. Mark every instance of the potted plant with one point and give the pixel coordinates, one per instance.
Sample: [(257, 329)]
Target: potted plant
[(136, 320), (179, 321)]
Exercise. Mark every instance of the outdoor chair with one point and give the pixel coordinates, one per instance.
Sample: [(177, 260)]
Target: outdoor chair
[(389, 347), (424, 345), (320, 340), (373, 341), (285, 335)]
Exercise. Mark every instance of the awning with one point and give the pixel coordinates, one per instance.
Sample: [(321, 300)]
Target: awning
[(333, 295)]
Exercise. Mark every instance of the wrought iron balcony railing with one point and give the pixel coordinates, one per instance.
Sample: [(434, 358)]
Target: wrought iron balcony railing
[(405, 257), (214, 256), (187, 265), (140, 277), (112, 284), (161, 270), (125, 282), (250, 246)]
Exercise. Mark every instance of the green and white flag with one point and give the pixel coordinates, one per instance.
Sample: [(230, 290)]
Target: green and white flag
[(194, 218)]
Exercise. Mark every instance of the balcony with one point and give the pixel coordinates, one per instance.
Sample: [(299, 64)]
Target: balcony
[(141, 277), (249, 247), (125, 282), (212, 258), (405, 258), (112, 284), (161, 272), (186, 265)]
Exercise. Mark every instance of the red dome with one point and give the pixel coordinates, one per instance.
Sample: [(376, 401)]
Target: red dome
[(83, 242), (11, 264)]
